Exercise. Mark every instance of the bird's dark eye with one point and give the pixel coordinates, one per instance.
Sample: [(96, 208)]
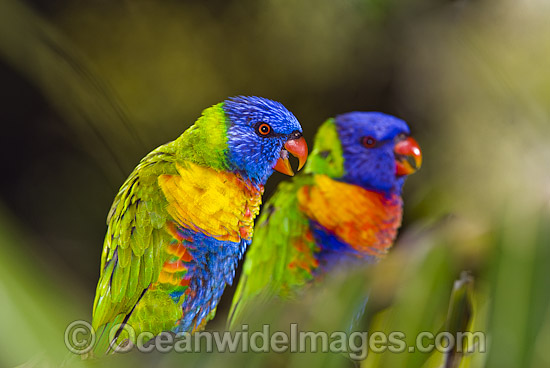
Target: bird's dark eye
[(263, 129), (368, 141)]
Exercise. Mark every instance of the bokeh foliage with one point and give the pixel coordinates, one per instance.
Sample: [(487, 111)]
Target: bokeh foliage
[(91, 86)]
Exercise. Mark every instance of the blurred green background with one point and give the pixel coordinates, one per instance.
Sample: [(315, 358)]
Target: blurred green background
[(89, 87)]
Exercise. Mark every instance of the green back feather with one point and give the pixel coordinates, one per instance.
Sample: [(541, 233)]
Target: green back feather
[(133, 248), (266, 270)]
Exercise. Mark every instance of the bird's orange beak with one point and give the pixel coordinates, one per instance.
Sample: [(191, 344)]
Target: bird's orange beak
[(408, 157), (298, 148)]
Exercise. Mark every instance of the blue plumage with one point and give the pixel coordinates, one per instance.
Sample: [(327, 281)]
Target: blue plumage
[(213, 266), (371, 168), (250, 154), (334, 253)]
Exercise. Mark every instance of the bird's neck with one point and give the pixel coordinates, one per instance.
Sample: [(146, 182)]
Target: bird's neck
[(363, 220), (205, 142), (212, 153)]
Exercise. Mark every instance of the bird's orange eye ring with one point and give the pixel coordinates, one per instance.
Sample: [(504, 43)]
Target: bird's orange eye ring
[(368, 141), (263, 129)]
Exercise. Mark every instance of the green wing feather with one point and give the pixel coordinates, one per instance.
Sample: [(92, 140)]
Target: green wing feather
[(133, 248), (280, 258), (279, 248)]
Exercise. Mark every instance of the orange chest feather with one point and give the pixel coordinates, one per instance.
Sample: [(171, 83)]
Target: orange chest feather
[(366, 220), (219, 204)]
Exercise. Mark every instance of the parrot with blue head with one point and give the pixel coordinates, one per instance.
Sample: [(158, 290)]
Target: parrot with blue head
[(344, 210), (184, 217)]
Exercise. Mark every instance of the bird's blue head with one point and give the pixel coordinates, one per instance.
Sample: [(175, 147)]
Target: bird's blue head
[(260, 135), (378, 152), (369, 149)]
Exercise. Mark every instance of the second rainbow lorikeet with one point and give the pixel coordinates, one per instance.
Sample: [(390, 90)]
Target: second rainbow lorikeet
[(185, 215), (345, 209)]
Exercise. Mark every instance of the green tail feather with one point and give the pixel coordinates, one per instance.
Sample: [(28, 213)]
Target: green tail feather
[(102, 344)]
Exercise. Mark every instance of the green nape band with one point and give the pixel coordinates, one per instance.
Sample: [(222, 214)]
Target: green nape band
[(205, 142), (327, 156)]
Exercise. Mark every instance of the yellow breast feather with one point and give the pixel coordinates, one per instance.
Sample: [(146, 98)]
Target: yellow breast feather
[(220, 204)]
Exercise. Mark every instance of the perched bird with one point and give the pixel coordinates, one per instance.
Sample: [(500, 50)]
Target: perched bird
[(345, 209), (185, 215)]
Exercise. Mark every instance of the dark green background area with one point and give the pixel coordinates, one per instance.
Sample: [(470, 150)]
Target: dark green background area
[(89, 87)]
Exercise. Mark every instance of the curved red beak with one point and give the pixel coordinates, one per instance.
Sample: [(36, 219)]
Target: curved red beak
[(298, 148), (408, 157)]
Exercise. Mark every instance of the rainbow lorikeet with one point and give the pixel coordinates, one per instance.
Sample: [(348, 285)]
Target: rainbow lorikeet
[(345, 209), (184, 217)]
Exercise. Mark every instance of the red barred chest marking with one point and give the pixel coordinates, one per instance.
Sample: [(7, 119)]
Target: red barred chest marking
[(305, 259), (366, 220), (172, 274)]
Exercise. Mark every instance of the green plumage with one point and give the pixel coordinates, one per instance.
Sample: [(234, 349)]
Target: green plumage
[(133, 250), (283, 227), (326, 157), (133, 240), (266, 270), (205, 142)]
